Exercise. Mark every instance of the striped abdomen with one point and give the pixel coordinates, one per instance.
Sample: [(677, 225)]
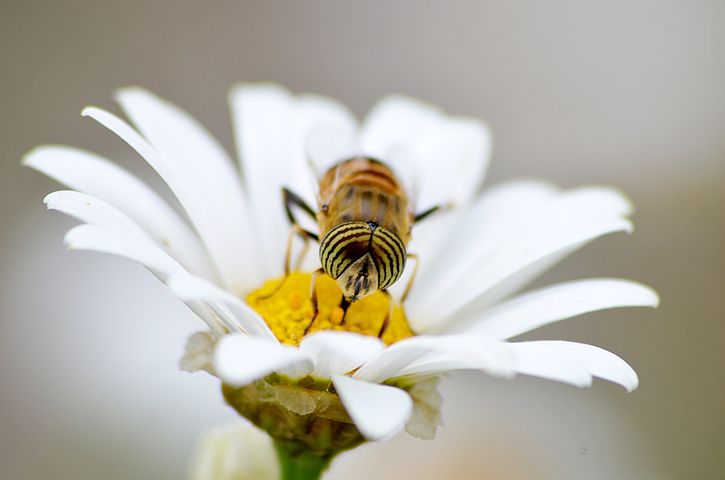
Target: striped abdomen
[(374, 254), (364, 226)]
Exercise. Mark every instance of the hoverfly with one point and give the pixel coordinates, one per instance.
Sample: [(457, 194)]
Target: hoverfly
[(365, 218)]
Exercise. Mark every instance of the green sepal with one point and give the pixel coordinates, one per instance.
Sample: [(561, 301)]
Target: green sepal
[(300, 464)]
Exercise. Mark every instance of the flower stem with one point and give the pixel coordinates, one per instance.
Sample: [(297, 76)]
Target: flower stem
[(299, 464)]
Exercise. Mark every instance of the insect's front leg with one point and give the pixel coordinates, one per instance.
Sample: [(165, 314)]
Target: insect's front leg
[(430, 211), (290, 200), (306, 236), (313, 298), (344, 305), (388, 316)]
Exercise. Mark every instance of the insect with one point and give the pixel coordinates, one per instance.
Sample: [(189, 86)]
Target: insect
[(365, 218)]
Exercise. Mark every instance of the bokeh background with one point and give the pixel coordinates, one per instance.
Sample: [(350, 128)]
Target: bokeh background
[(629, 93)]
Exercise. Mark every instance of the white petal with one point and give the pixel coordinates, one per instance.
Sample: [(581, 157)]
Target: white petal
[(427, 355), (595, 361), (536, 360), (339, 352), (494, 214), (570, 220), (541, 307), (106, 240), (271, 128), (457, 155), (397, 121), (237, 314), (112, 232), (391, 361), (379, 411), (90, 209), (451, 153), (240, 359), (202, 179), (114, 242), (429, 240), (472, 353), (96, 176)]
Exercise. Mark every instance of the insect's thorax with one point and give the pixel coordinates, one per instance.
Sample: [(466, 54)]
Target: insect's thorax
[(364, 190)]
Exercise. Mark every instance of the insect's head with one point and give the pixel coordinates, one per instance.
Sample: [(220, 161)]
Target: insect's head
[(362, 257)]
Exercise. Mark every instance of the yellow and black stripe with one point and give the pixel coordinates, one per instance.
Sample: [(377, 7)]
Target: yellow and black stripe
[(388, 253), (349, 241)]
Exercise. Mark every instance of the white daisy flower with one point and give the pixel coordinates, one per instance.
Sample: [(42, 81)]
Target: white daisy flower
[(222, 256)]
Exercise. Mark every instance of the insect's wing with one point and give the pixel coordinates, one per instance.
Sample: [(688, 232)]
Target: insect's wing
[(325, 147), (403, 163)]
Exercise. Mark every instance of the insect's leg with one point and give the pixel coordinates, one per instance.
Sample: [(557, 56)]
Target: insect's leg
[(303, 252), (436, 208), (411, 256), (291, 199), (344, 305), (388, 316), (306, 236), (313, 298)]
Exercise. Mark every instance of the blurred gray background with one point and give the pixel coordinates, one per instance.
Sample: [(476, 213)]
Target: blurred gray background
[(629, 93)]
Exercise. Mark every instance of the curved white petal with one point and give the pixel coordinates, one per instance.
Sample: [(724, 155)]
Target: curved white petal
[(99, 238), (466, 353), (429, 240), (457, 155), (110, 231), (240, 359), (106, 240), (90, 209), (498, 210), (397, 121), (570, 220), (237, 315), (161, 165), (546, 305), (538, 361), (379, 411), (409, 357), (335, 352), (450, 153), (177, 182), (271, 129), (97, 176), (595, 361), (391, 361), (198, 173)]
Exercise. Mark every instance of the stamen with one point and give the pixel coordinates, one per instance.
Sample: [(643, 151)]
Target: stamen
[(289, 310)]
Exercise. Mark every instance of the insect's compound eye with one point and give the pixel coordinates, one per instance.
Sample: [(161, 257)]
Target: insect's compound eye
[(389, 255), (342, 246)]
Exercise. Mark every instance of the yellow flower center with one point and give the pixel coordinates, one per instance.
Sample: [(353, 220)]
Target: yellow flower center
[(288, 310)]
